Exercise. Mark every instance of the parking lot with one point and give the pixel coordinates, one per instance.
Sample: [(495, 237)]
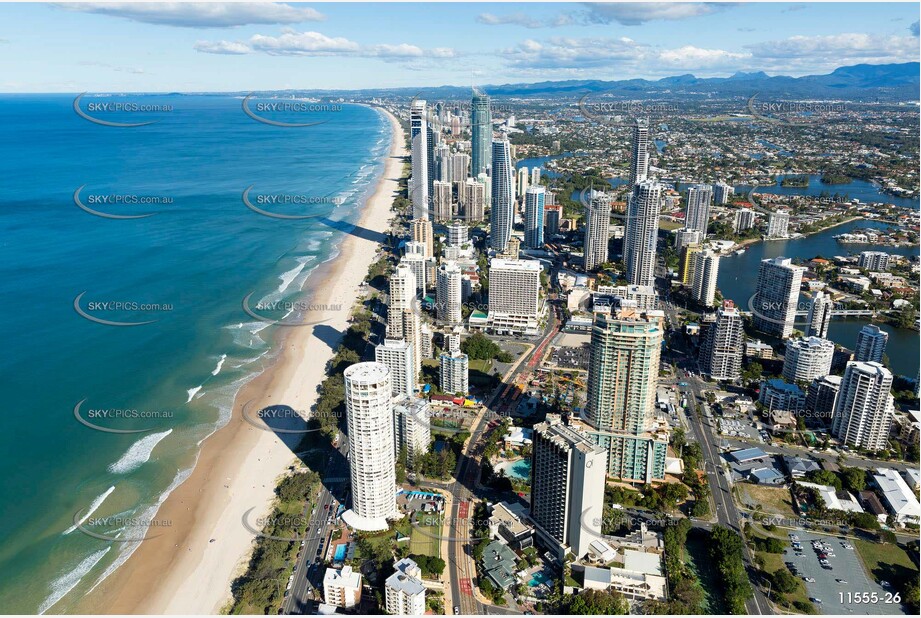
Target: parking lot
[(845, 566)]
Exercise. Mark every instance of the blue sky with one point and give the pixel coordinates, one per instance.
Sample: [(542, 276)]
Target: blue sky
[(120, 46)]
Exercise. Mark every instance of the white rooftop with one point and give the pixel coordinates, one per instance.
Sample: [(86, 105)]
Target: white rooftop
[(642, 562)]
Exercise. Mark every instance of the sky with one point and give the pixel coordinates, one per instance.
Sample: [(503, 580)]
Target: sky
[(243, 46)]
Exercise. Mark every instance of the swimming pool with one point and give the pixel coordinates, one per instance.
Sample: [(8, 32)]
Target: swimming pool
[(341, 550), (519, 470), (538, 578)]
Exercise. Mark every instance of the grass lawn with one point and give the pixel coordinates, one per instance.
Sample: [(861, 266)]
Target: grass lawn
[(772, 562), (480, 365), (668, 224), (776, 500), (886, 562), (420, 538)]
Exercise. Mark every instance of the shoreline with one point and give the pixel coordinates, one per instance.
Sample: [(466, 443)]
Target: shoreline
[(189, 568)]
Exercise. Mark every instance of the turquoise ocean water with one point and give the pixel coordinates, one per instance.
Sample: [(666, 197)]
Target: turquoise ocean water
[(188, 268)]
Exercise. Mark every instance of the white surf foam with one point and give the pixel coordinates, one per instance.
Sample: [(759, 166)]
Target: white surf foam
[(64, 584), (192, 392), (139, 453), (95, 504), (220, 364)]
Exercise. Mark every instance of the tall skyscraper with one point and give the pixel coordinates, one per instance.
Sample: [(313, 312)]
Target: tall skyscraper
[(821, 398), (524, 181), (687, 261), (535, 176), (871, 344), (744, 220), (819, 315), (597, 229), (552, 218), (413, 335), (502, 213), (472, 204), (697, 215), (372, 471), (412, 420), (514, 295), (807, 359), (402, 295), (421, 230), (460, 167), (442, 204), (419, 154), (623, 374), (776, 296), (480, 133), (641, 233), (534, 199), (443, 163), (778, 224), (721, 351), (455, 371), (397, 355), (722, 192), (639, 165), (416, 262), (706, 271), (448, 294), (567, 487), (864, 409)]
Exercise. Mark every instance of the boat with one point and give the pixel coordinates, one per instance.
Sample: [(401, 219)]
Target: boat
[(740, 251)]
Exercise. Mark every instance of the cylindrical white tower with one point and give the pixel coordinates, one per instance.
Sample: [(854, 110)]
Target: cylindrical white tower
[(370, 422)]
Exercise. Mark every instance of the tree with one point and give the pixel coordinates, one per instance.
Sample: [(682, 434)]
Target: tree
[(824, 477), (783, 581), (598, 602), (854, 479)]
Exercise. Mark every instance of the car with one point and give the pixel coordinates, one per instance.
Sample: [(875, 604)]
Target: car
[(841, 581), (811, 580), (884, 584), (799, 553), (456, 610), (815, 600)]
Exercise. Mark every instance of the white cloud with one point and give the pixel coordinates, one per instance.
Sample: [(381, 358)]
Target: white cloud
[(199, 14), (838, 49), (234, 48), (636, 13), (517, 19), (293, 43), (690, 57)]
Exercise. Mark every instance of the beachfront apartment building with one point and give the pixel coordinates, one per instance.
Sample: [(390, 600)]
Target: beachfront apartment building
[(404, 594), (421, 232), (402, 297), (372, 471), (776, 294), (397, 355), (514, 296), (597, 230), (534, 199), (342, 587), (567, 487), (415, 261), (419, 156)]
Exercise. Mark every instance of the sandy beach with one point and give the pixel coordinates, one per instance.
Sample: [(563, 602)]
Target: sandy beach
[(182, 571)]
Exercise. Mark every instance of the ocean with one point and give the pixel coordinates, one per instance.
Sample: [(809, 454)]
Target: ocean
[(78, 499)]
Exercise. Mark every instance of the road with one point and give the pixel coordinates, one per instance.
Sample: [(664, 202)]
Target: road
[(460, 562), (727, 514), (308, 574)]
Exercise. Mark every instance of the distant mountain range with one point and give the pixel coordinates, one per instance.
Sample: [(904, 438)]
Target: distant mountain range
[(866, 82)]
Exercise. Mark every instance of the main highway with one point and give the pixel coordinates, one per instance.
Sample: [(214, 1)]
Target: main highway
[(727, 514)]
